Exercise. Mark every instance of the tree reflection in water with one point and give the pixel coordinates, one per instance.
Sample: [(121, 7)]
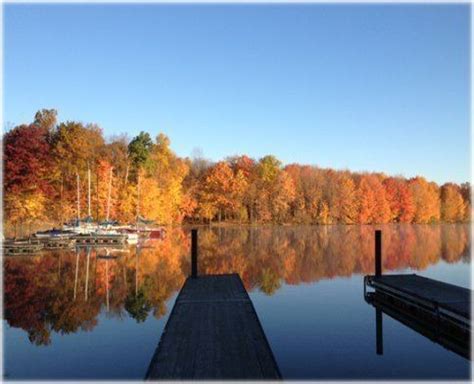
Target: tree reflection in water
[(64, 291)]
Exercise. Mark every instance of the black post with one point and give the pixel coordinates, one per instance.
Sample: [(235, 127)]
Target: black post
[(378, 252), (194, 252), (379, 334)]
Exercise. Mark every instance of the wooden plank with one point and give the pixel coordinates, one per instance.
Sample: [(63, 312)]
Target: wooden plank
[(213, 332), (436, 294)]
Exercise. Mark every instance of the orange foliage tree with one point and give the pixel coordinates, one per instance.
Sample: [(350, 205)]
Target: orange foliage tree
[(42, 161)]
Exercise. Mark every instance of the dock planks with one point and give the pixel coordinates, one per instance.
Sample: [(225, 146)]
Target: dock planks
[(447, 300), (213, 332)]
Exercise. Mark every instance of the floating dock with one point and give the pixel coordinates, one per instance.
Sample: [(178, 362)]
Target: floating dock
[(57, 242), (436, 310), (444, 301), (213, 333), (21, 247), (95, 239)]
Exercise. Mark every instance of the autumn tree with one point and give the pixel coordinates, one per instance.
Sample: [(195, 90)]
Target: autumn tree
[(452, 203), (76, 149), (374, 207), (46, 119), (27, 173), (466, 194), (343, 198), (44, 160), (246, 167), (399, 200), (426, 200), (268, 170), (116, 153), (309, 183), (221, 192)]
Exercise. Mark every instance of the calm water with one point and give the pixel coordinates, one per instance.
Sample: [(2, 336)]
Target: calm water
[(76, 315)]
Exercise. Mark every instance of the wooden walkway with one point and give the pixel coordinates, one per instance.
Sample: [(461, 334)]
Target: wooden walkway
[(213, 332), (446, 301)]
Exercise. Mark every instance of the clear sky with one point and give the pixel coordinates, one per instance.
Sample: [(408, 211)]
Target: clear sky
[(364, 87)]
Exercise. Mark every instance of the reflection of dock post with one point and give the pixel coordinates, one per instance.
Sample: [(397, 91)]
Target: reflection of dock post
[(136, 271), (379, 331), (77, 270), (194, 252), (107, 281), (86, 291), (378, 252)]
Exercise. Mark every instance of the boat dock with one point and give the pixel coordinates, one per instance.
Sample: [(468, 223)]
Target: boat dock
[(450, 336), (21, 247), (435, 309), (445, 301), (95, 239), (213, 333), (57, 243)]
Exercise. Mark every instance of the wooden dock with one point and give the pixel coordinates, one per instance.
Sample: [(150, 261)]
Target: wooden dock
[(213, 333), (57, 243), (444, 301), (21, 247), (100, 240)]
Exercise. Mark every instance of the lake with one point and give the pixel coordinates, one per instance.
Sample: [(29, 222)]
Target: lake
[(84, 314)]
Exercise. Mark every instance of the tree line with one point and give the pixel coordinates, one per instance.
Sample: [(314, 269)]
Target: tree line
[(45, 161)]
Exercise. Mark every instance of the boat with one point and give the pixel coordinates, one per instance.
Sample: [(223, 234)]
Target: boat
[(78, 225), (149, 232), (153, 233), (54, 234), (130, 235), (81, 227), (141, 225)]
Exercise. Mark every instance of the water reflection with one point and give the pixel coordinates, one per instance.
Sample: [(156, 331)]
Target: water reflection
[(65, 291), (452, 336)]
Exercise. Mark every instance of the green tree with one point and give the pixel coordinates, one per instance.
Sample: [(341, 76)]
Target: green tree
[(138, 306), (139, 150)]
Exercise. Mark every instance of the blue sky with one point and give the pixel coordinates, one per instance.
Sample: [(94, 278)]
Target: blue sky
[(363, 87)]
